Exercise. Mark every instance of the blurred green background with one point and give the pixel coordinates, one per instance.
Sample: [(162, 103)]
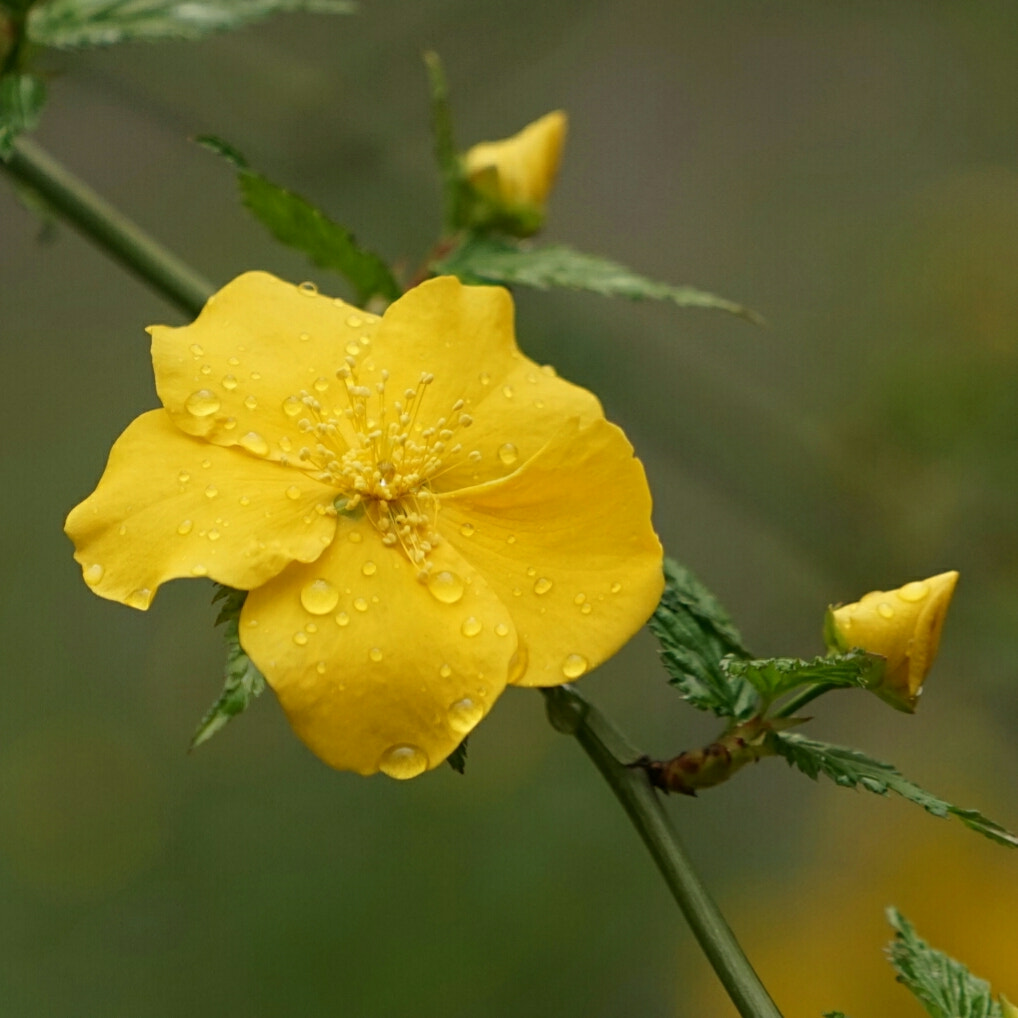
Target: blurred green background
[(849, 170)]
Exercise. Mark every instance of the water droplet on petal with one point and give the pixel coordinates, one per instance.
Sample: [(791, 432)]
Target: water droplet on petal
[(255, 443), (501, 629), (360, 604), (320, 667), (292, 406), (616, 587), (229, 382), (300, 639), (468, 530), (197, 349), (471, 626), (206, 369), (369, 569), (354, 321), (199, 570), (585, 609), (464, 714), (508, 454), (319, 597), (250, 402), (183, 477), (542, 585), (214, 534), (139, 598), (445, 671), (574, 666), (93, 574), (211, 491), (342, 619), (293, 492), (244, 500), (355, 537), (308, 289), (229, 424), (375, 654), (445, 586), (402, 762), (914, 591), (507, 391), (885, 611), (484, 378), (321, 384), (202, 403)]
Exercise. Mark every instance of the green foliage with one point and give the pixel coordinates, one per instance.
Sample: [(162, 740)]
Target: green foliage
[(774, 677), (446, 156), (243, 682), (835, 1014), (942, 985), (68, 24), (487, 259), (294, 221), (695, 633), (21, 101), (851, 768), (457, 759)]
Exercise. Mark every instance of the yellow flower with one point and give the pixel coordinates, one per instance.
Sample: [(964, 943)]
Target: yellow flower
[(422, 515), (902, 626), (514, 176)]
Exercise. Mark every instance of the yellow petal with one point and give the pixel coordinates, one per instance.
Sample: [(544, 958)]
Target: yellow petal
[(520, 170), (236, 375), (463, 335), (168, 506), (375, 669), (567, 544)]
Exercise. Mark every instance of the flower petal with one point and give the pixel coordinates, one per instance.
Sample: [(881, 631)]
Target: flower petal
[(463, 335), (567, 544), (168, 505), (375, 669), (235, 375)]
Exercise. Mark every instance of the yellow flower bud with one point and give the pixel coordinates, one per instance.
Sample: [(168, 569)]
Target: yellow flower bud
[(903, 626), (512, 178)]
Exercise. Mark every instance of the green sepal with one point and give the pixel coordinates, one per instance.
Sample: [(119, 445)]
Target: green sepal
[(774, 677), (852, 768), (491, 259), (294, 221), (22, 97), (943, 986), (695, 634), (457, 759), (242, 680), (69, 24)]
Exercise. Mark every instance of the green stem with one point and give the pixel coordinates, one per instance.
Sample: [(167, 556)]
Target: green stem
[(108, 228), (613, 756), (803, 697)]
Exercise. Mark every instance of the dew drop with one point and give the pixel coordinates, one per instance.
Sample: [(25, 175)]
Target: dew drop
[(914, 591), (474, 456), (255, 443), (369, 569), (319, 597), (244, 500), (214, 534), (574, 666), (446, 586), (304, 337), (139, 598), (229, 382), (360, 604), (402, 762), (93, 574), (354, 321), (445, 671), (293, 492), (320, 667), (471, 626), (183, 477), (206, 369), (484, 378), (531, 571), (300, 639), (585, 609), (353, 349), (232, 361), (464, 714), (542, 585), (256, 376), (230, 423), (310, 627), (375, 654), (507, 391), (885, 611), (468, 530), (206, 464), (211, 491), (202, 403), (292, 406), (579, 599), (511, 539), (321, 384), (616, 587), (501, 629), (342, 619), (508, 454), (250, 402), (199, 570), (197, 349), (308, 289), (285, 444), (355, 537)]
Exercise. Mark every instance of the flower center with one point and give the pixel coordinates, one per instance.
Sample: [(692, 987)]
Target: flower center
[(390, 457)]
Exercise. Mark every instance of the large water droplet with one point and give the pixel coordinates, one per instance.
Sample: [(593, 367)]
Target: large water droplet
[(446, 586), (255, 443), (508, 454), (914, 591), (293, 492), (202, 403), (542, 585), (319, 597), (375, 654), (308, 289), (369, 569), (93, 574), (464, 714), (139, 598), (471, 626), (574, 666), (211, 491), (402, 762), (292, 406)]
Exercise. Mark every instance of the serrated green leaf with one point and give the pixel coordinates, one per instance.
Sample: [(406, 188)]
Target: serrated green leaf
[(943, 986), (487, 259), (695, 633), (22, 97), (294, 221), (457, 759), (773, 677), (243, 682), (67, 24), (851, 768)]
